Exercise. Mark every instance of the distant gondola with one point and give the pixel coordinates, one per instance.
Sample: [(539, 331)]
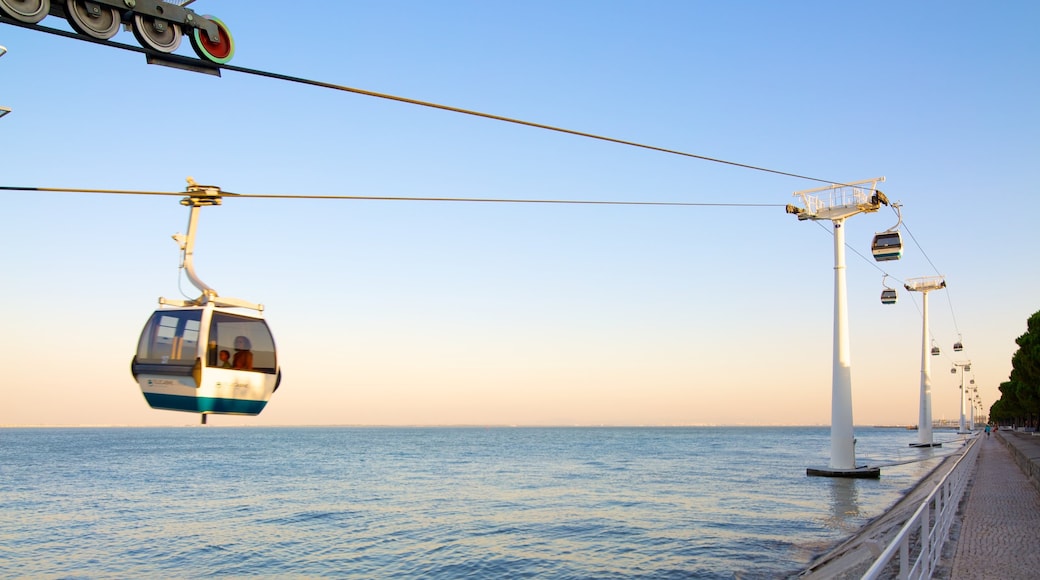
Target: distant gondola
[(888, 295), (209, 355)]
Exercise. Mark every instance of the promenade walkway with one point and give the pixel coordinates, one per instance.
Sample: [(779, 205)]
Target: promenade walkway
[(999, 524), (995, 534)]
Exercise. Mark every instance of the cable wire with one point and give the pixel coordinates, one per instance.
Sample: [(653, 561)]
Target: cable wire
[(923, 253), (949, 297), (879, 269), (197, 64), (857, 252), (388, 197)]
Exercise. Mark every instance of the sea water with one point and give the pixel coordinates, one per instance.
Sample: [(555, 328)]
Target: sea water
[(345, 502)]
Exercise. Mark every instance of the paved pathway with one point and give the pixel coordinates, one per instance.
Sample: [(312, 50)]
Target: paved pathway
[(1000, 522)]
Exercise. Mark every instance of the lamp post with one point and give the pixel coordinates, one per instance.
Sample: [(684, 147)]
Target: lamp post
[(982, 418), (964, 366), (971, 404), (836, 203)]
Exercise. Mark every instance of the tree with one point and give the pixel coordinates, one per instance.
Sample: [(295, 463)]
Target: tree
[(1020, 395), (1007, 409)]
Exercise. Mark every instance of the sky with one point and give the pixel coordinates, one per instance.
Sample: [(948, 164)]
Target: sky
[(437, 313)]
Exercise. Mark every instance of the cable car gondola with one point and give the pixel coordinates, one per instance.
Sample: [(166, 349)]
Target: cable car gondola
[(958, 346), (888, 245), (210, 355), (888, 295)]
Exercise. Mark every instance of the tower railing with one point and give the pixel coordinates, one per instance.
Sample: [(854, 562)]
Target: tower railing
[(924, 283), (840, 200)]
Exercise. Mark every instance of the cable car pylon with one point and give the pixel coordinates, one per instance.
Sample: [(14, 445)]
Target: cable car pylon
[(964, 366), (837, 203), (924, 285), (207, 355)]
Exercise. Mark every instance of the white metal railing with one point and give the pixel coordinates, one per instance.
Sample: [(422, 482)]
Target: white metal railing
[(835, 197), (925, 283), (839, 194), (923, 535)]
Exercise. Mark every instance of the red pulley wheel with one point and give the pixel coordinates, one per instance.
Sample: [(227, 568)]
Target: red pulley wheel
[(219, 52)]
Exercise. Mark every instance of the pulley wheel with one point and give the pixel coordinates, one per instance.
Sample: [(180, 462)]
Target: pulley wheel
[(219, 52), (157, 34), (96, 21), (28, 11)]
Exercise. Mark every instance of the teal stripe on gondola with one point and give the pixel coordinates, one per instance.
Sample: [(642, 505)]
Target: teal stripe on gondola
[(204, 404)]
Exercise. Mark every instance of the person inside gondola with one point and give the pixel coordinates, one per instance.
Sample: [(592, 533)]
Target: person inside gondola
[(243, 359), (225, 359)]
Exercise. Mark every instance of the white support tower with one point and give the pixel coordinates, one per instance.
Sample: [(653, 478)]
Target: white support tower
[(964, 366), (924, 285), (837, 203), (973, 394)]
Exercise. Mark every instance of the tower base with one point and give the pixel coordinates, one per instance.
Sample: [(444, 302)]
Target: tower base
[(862, 472)]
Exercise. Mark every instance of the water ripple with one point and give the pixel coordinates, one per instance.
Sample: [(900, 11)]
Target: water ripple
[(431, 503)]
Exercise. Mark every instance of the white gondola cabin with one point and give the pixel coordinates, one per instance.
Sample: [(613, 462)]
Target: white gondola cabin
[(206, 360), (887, 246), (209, 355), (889, 296)]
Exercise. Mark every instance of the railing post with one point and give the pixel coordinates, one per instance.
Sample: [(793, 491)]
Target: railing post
[(904, 558), (925, 536), (936, 537)]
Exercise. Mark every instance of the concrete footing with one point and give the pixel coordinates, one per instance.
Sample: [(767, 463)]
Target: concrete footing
[(862, 471)]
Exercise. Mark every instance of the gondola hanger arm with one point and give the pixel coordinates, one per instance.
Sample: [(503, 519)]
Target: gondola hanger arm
[(201, 196)]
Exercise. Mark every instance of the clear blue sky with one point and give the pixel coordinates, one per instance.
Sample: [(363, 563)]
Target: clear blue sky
[(437, 313)]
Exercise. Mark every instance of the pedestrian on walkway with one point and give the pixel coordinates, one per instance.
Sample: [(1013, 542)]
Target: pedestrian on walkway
[(987, 429)]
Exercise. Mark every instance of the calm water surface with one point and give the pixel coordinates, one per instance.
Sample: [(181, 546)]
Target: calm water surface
[(434, 502)]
